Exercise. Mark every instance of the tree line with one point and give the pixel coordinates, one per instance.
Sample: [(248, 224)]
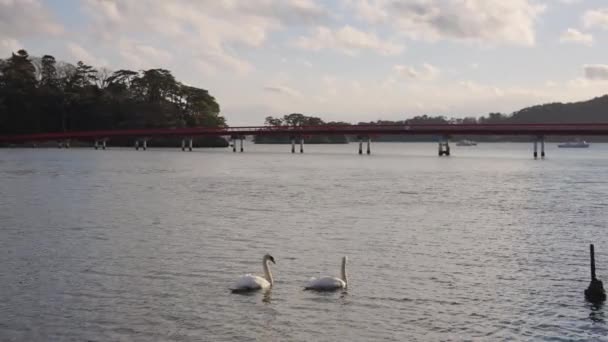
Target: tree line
[(43, 95), (298, 119), (591, 111)]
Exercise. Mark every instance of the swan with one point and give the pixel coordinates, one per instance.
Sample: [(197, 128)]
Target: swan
[(329, 283), (250, 282)]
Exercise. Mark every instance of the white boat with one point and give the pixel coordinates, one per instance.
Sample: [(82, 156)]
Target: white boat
[(466, 143), (574, 144)]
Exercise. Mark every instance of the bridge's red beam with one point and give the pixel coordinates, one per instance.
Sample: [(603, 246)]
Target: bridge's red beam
[(444, 129)]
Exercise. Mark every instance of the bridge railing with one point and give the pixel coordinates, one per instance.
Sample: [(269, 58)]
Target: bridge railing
[(368, 129)]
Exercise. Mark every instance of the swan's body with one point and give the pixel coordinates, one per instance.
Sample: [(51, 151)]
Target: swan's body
[(329, 283), (250, 282)]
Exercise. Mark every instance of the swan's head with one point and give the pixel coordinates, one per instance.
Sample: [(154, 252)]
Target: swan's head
[(269, 257)]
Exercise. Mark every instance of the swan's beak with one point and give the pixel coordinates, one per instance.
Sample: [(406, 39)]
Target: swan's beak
[(272, 259)]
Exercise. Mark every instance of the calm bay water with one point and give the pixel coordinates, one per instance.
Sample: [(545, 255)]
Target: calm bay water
[(142, 246)]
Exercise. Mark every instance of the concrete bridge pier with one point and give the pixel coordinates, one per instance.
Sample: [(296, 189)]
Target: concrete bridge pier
[(293, 145), (183, 144), (103, 143), (360, 145), (190, 143), (233, 143), (242, 150), (369, 142), (144, 144), (542, 147), (301, 145), (444, 147), (536, 148), (96, 144)]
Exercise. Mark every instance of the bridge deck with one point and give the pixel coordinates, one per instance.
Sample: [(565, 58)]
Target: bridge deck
[(364, 130)]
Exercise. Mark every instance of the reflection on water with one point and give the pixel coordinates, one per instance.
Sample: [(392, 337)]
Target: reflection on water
[(267, 297), (122, 245), (596, 313)]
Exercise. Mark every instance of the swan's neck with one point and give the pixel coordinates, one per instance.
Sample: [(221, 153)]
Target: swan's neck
[(343, 271), (267, 273)]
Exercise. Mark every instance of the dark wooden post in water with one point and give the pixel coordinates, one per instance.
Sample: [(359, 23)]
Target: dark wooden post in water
[(595, 292)]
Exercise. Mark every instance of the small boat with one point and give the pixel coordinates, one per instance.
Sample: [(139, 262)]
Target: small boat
[(574, 144), (466, 143)]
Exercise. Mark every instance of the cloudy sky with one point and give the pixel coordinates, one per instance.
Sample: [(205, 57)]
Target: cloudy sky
[(351, 60)]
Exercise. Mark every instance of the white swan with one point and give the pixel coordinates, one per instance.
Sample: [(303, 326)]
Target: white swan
[(250, 282), (329, 283)]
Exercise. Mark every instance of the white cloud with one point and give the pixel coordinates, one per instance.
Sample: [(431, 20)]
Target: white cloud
[(348, 40), (596, 18), (282, 89), (8, 46), (484, 21), (208, 31), (81, 54), (426, 72), (575, 36), (596, 72), (25, 18), (141, 56)]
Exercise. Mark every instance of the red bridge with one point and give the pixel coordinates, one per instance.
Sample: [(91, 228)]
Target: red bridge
[(444, 131)]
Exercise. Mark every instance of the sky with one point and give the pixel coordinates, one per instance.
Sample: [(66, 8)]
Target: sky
[(341, 60)]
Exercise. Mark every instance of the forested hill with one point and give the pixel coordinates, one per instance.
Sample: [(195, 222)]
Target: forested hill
[(591, 111), (43, 95)]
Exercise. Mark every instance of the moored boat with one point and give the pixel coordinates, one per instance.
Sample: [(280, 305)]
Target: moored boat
[(466, 143), (574, 144)]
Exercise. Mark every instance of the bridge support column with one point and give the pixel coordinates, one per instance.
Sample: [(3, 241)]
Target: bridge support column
[(183, 144), (301, 145), (144, 144), (535, 148), (444, 147), (136, 145), (542, 147), (96, 145), (242, 145), (233, 144), (360, 146), (293, 145), (103, 144), (369, 142), (190, 144)]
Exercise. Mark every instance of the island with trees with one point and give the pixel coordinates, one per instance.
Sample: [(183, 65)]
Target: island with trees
[(297, 119), (42, 95)]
